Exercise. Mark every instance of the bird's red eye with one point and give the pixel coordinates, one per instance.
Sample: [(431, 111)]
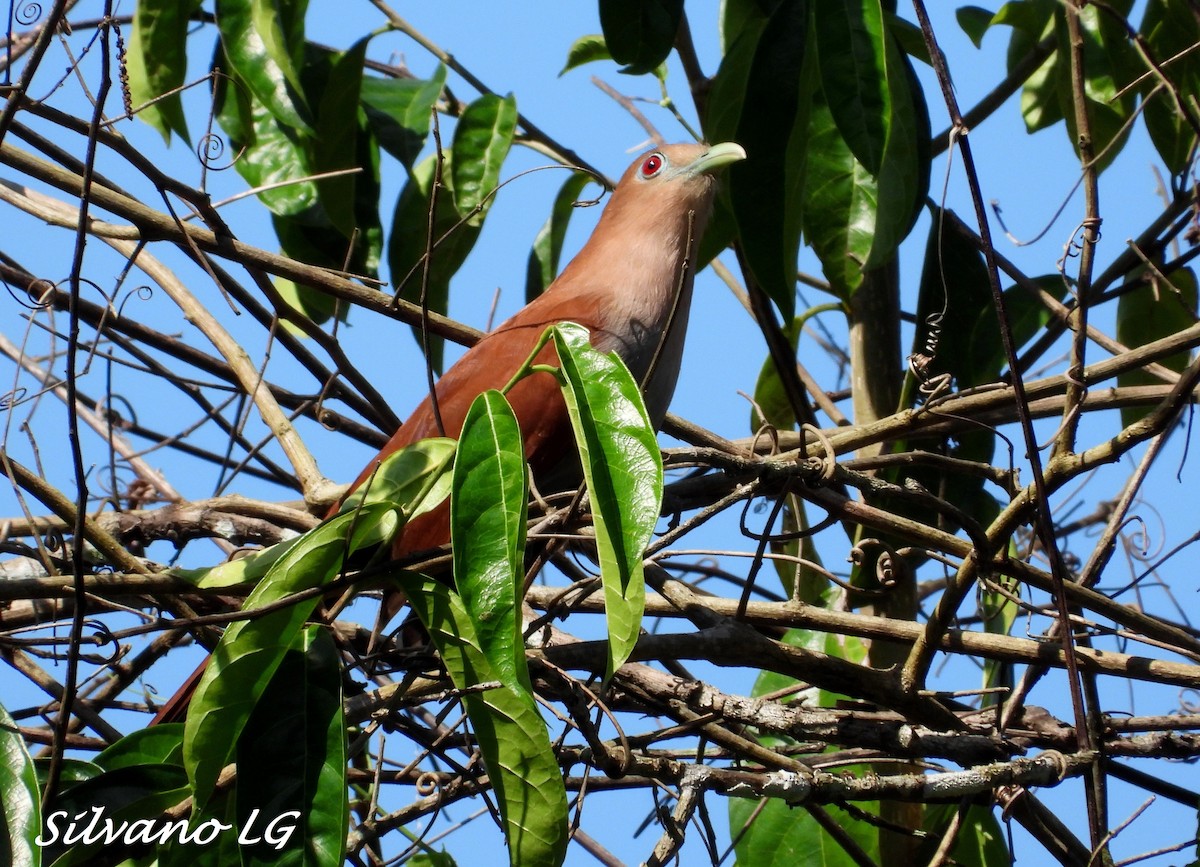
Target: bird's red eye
[(653, 165)]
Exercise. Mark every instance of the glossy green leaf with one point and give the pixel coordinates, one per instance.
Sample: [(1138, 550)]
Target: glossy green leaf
[(335, 144), (488, 503), (547, 246), (292, 760), (156, 745), (20, 800), (764, 190), (840, 205), (481, 141), (1169, 29), (980, 840), (258, 37), (623, 469), (271, 154), (399, 110), (511, 734), (782, 836), (1151, 310), (413, 478), (123, 795), (855, 219), (248, 654), (850, 39), (156, 61), (244, 661), (586, 49), (974, 21), (640, 33)]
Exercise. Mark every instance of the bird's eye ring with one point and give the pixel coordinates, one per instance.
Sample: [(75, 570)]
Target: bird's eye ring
[(652, 165)]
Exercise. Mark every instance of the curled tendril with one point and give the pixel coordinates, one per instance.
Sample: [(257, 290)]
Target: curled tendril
[(210, 148), (890, 567), (53, 540), (428, 784), (36, 295), (143, 293), (105, 409), (12, 398), (1189, 701), (105, 639), (29, 14)]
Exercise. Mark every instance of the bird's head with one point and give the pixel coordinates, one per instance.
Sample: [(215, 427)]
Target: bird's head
[(650, 206), (674, 177)]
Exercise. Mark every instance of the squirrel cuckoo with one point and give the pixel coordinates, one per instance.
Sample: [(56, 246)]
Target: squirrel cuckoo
[(630, 286)]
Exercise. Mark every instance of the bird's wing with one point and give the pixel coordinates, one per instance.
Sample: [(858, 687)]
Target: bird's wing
[(536, 400)]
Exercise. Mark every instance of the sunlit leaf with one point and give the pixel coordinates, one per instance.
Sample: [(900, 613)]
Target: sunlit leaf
[(623, 468)]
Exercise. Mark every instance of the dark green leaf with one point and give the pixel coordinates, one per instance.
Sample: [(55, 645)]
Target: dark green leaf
[(511, 734), (623, 469), (157, 745), (585, 49), (248, 654), (20, 800), (974, 21), (853, 63), (400, 111), (123, 795), (1151, 310), (481, 141), (1169, 29), (335, 147), (292, 760), (640, 33), (980, 840), (271, 154), (157, 62), (488, 500), (263, 54), (547, 246), (764, 189)]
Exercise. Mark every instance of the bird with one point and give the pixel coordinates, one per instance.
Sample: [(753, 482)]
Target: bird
[(630, 285)]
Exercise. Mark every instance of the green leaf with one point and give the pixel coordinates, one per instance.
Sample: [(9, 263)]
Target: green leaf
[(584, 50), (125, 794), (1169, 29), (260, 54), (292, 760), (764, 190), (245, 659), (1151, 310), (482, 140), (547, 246), (850, 37), (980, 840), (488, 503), (470, 175), (271, 154), (623, 469), (404, 478), (335, 145), (157, 62), (156, 745), (511, 734), (20, 801), (399, 110), (640, 33), (974, 21)]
